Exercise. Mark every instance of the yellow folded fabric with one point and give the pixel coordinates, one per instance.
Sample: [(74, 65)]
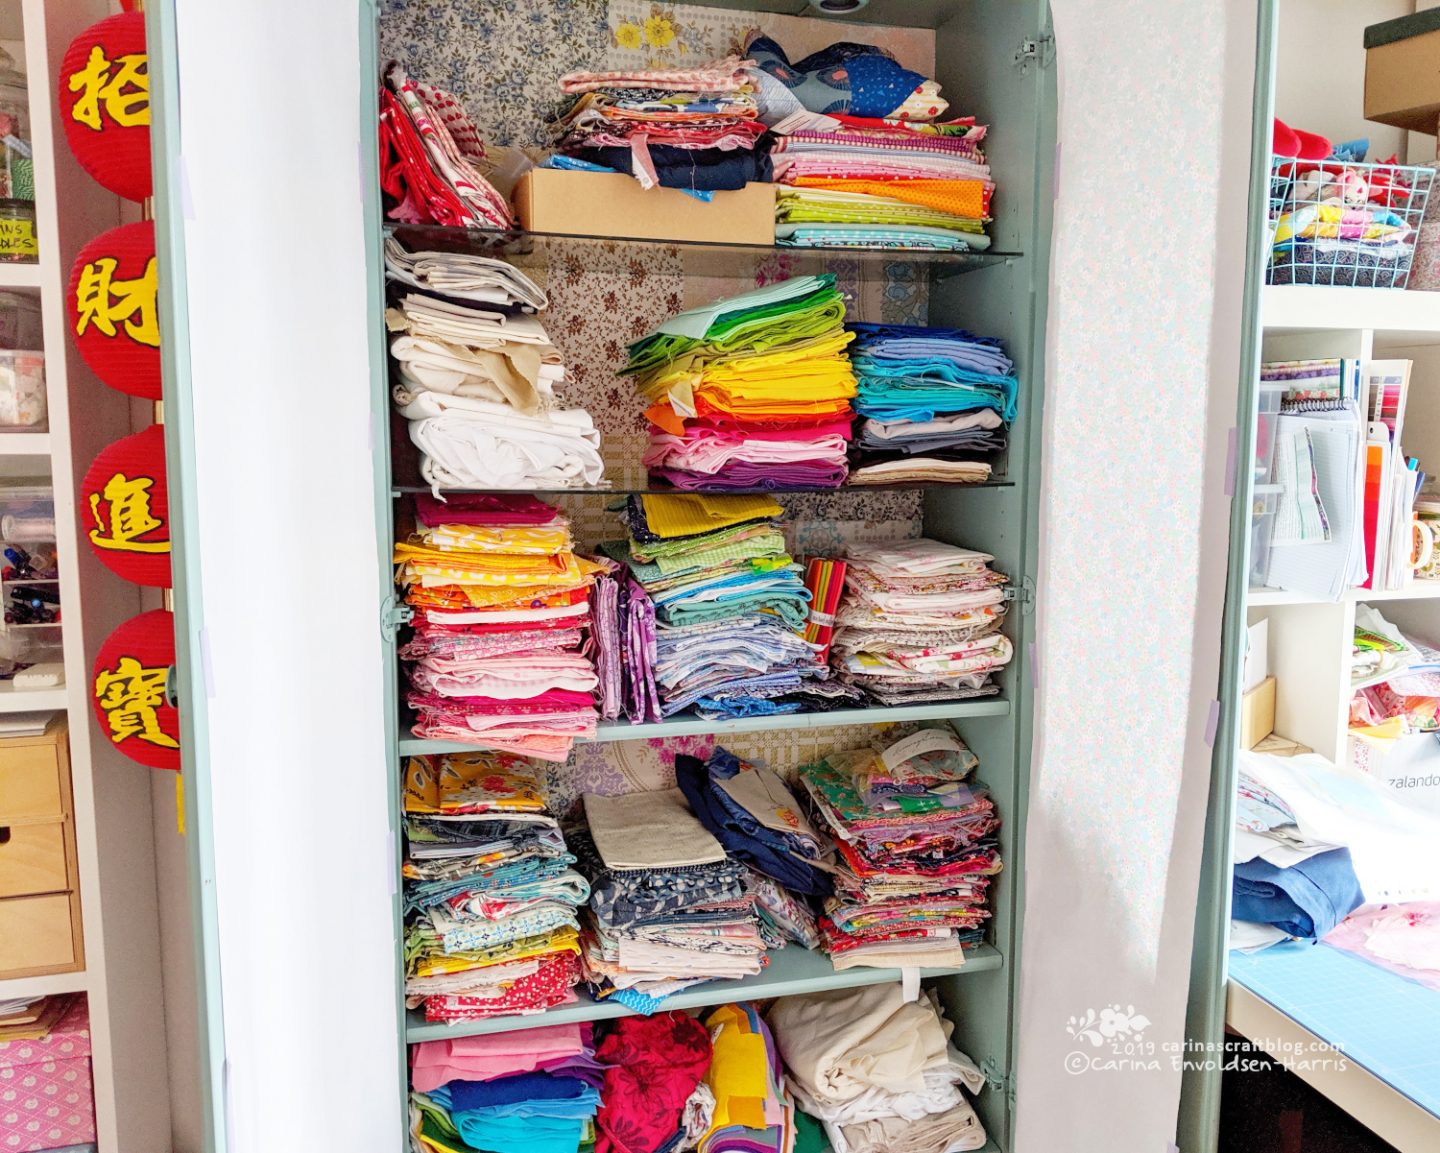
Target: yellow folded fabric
[(957, 197), (564, 940), (690, 514), (478, 782), (486, 539)]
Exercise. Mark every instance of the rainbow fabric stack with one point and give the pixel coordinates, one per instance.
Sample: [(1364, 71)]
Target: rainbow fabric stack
[(752, 391), (500, 602)]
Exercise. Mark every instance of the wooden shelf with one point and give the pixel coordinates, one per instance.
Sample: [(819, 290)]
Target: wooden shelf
[(25, 444), (791, 972), (13, 700), (19, 275), (1399, 313), (694, 726), (1419, 591)]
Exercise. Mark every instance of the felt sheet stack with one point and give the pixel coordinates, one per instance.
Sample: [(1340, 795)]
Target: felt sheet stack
[(933, 403), (490, 894), (853, 169), (529, 1092), (500, 602), (878, 1071), (920, 621), (916, 848), (693, 128), (752, 391), (476, 376), (754, 1111), (728, 601), (668, 907)]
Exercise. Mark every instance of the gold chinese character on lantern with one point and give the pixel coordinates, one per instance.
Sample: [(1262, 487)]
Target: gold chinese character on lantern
[(103, 301), (130, 695), (126, 516), (119, 89)]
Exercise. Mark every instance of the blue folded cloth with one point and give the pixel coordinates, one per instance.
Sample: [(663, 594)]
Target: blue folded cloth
[(1306, 900)]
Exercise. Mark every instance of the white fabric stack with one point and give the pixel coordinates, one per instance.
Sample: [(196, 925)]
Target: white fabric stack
[(878, 1071), (477, 377)]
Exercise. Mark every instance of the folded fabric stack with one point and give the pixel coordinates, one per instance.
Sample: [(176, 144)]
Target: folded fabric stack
[(859, 157), (668, 907), (917, 850), (728, 601), (500, 602), (693, 128), (878, 1071), (433, 164), (754, 1112), (920, 621), (537, 1089), (933, 403), (490, 894), (476, 377), (753, 814), (752, 391)]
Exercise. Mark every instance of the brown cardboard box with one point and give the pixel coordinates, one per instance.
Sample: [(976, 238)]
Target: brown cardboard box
[(1257, 713), (612, 204), (1402, 72)]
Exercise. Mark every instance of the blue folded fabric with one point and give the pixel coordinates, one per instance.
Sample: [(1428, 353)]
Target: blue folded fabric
[(468, 1096), (1306, 900), (736, 828)]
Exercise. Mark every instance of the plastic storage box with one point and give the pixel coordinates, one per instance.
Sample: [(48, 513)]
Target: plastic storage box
[(22, 389), (1266, 494), (47, 1095)]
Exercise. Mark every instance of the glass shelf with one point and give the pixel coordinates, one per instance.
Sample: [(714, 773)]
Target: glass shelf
[(689, 726), (792, 971), (701, 258), (401, 490)]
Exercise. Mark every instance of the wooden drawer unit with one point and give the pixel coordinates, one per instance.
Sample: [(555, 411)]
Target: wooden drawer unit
[(40, 929)]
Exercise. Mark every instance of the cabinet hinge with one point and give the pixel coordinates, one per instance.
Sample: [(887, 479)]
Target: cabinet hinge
[(392, 615), (1022, 594), (1040, 49), (998, 1078)]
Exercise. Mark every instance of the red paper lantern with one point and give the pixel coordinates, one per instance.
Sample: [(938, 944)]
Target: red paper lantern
[(114, 313), (125, 509), (128, 688), (105, 103)]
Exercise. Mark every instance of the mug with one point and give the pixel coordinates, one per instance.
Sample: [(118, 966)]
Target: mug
[(1422, 550)]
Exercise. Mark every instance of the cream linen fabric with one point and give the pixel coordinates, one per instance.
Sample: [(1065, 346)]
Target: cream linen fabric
[(649, 831)]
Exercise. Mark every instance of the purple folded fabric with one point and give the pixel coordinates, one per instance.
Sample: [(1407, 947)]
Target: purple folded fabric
[(642, 700), (747, 474), (605, 629)]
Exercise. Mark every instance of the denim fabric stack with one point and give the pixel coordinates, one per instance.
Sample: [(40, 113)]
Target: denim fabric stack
[(728, 600), (668, 907)]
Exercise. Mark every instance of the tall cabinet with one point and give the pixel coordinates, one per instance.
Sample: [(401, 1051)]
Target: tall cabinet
[(116, 803), (994, 58)]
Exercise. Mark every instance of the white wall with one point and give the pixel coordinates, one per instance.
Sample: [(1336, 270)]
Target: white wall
[(1320, 70), (269, 107)]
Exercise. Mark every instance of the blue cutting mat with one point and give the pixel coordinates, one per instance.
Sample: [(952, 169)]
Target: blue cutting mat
[(1381, 1021)]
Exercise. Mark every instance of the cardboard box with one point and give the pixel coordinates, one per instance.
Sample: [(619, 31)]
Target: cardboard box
[(1402, 72), (612, 204), (47, 1095), (1257, 713)]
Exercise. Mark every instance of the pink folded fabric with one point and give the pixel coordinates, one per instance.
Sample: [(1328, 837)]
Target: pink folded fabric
[(484, 1058)]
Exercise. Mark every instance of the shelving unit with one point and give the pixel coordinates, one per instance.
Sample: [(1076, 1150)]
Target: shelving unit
[(1299, 995), (114, 815), (1002, 294)]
